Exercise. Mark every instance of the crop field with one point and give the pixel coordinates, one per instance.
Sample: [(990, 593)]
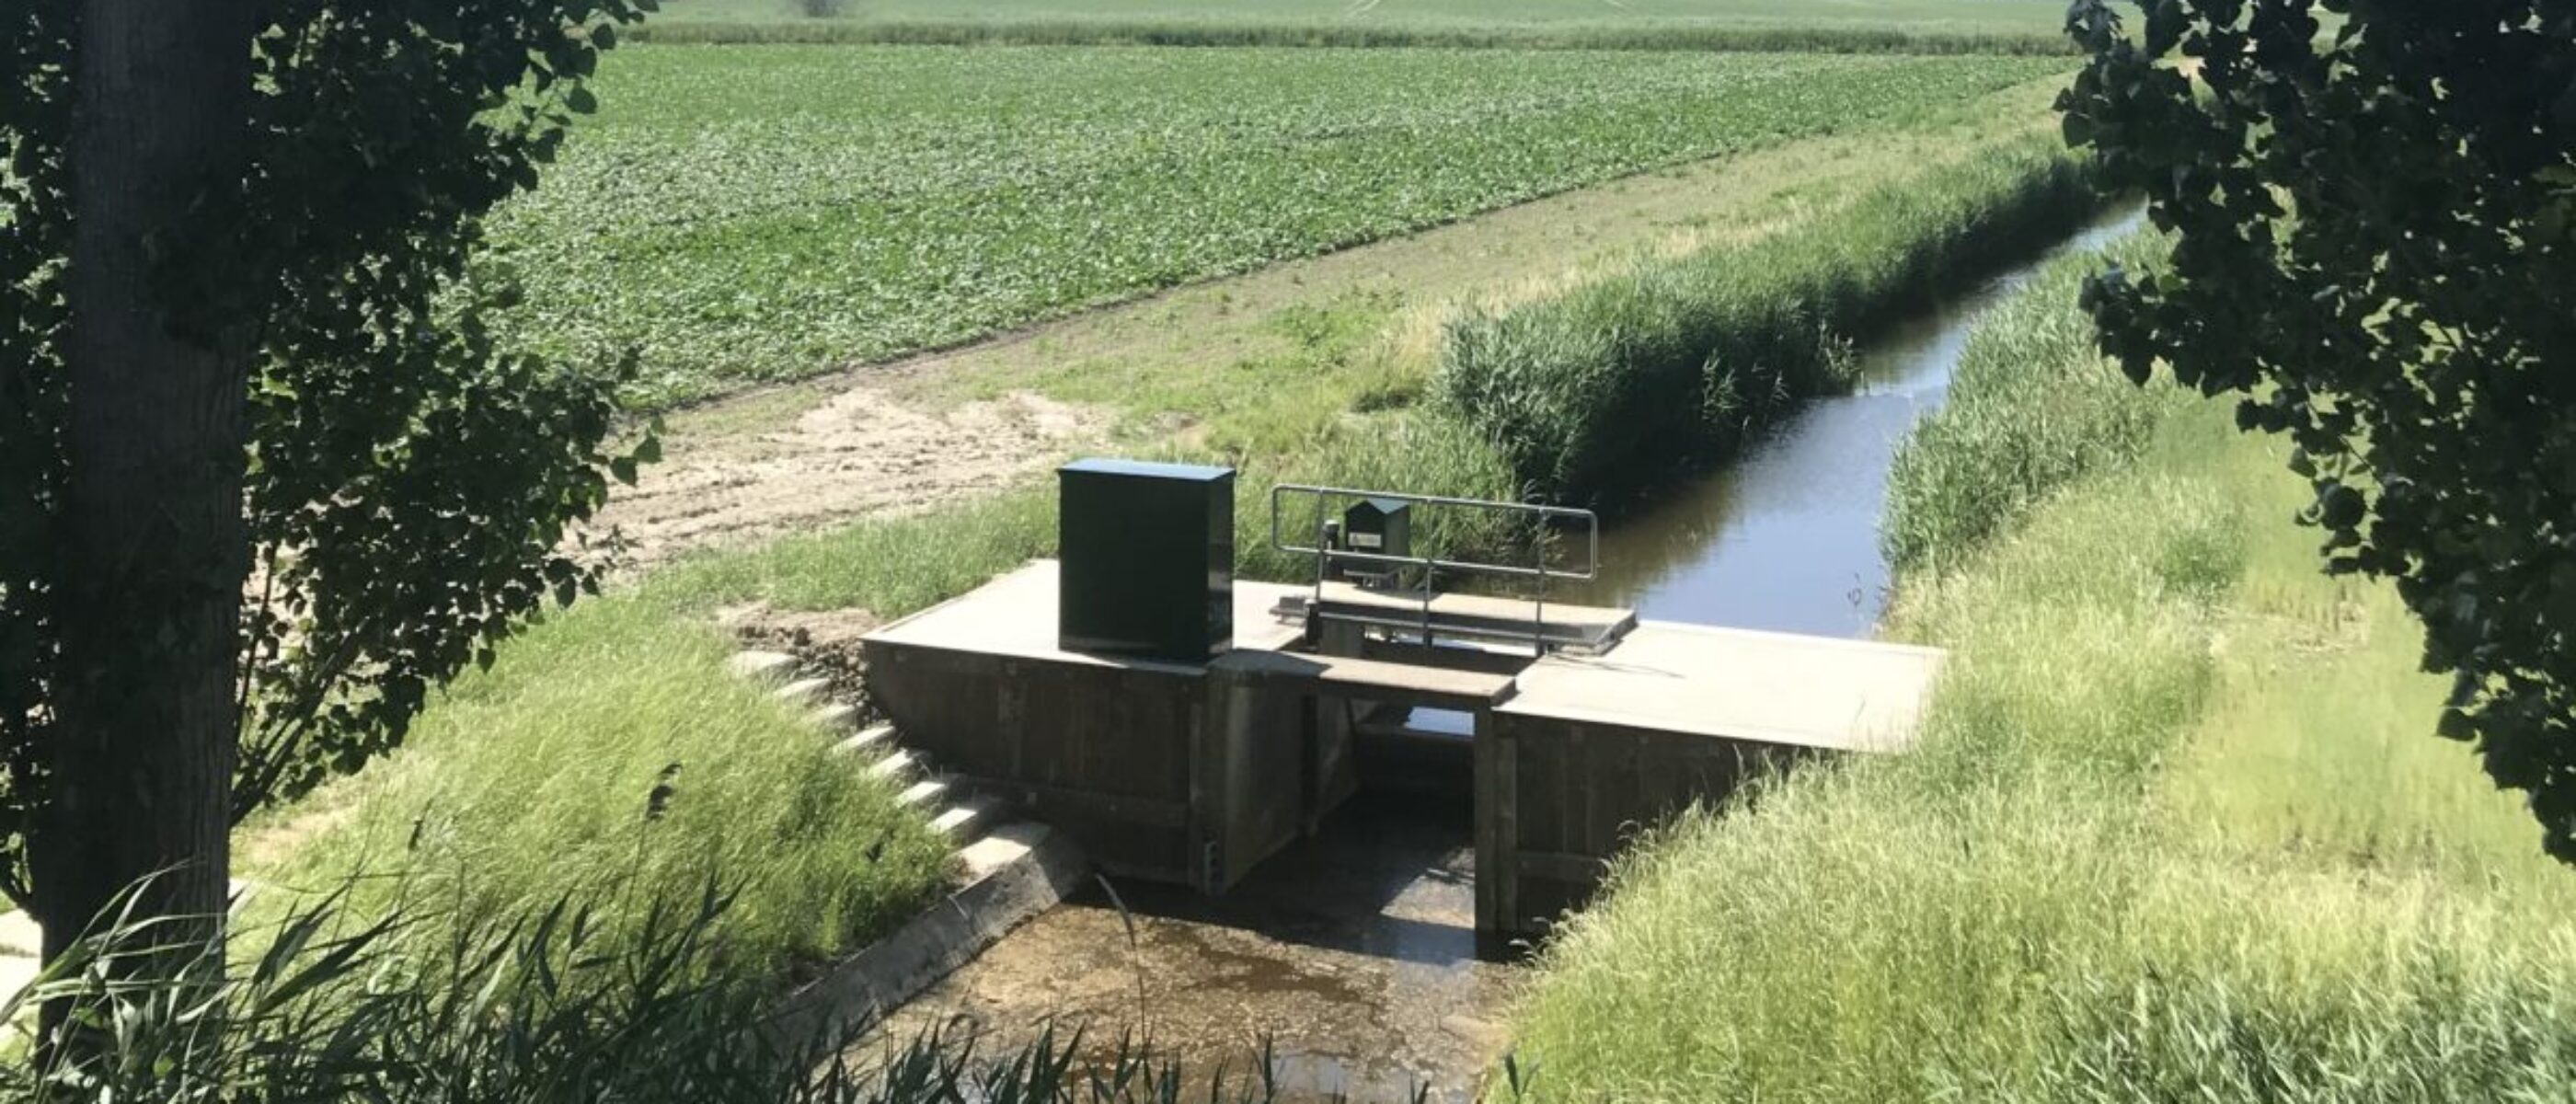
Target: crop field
[(2044, 15), (1945, 26), (756, 215)]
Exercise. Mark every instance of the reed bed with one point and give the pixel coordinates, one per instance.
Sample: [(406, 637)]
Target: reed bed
[(2178, 828), (1625, 375), (2029, 410)]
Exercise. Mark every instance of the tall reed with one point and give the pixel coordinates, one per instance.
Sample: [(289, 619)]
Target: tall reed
[(2030, 408), (1585, 391), (2133, 858), (532, 1004)]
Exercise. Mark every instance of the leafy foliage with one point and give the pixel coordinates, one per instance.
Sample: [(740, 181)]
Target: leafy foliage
[(768, 214), (409, 482), (525, 1005), (2376, 249)]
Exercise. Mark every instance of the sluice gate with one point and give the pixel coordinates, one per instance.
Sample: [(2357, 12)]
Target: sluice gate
[(1183, 725)]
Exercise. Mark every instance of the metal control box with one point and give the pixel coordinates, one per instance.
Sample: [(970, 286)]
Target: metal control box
[(1379, 526), (1146, 559)]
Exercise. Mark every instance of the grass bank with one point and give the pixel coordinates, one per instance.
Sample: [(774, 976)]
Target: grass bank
[(1691, 353), (2029, 410), (608, 755), (2177, 830), (894, 566)]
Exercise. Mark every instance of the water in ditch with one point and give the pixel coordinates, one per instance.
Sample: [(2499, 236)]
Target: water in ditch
[(1351, 954), (1785, 538)]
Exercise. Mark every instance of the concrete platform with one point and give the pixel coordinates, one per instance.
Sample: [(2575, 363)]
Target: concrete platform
[(1772, 688), (1015, 616), (1193, 773)]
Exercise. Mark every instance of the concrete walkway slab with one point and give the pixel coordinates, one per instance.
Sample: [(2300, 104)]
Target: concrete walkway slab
[(1778, 688)]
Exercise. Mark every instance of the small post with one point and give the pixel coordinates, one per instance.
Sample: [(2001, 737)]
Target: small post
[(1538, 624)]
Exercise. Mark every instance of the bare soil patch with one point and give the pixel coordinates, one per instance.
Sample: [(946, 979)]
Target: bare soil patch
[(827, 642), (858, 452)]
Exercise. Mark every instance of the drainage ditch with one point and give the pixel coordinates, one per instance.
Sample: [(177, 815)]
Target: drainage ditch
[(1351, 955)]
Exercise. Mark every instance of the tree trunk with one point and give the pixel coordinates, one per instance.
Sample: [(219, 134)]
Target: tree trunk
[(152, 513)]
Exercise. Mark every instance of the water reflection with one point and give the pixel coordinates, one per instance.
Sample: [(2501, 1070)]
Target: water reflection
[(1786, 537)]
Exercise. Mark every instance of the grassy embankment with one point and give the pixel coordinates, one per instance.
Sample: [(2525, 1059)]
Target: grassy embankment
[(533, 778), (2178, 829), (1873, 26)]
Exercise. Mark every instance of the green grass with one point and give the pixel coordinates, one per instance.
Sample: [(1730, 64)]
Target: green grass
[(1693, 353), (2178, 830), (748, 215), (1921, 26), (532, 781), (2030, 409)]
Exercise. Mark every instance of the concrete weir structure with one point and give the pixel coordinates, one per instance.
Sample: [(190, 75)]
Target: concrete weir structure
[(1574, 725)]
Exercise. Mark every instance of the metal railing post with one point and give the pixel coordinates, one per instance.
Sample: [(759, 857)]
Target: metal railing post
[(1538, 622), (1539, 567)]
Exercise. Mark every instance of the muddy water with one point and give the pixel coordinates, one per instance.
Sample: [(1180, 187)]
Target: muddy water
[(1786, 537), (1352, 953)]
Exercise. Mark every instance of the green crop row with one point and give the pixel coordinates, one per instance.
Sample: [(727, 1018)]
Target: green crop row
[(1321, 34), (748, 215), (1928, 18), (1687, 355)]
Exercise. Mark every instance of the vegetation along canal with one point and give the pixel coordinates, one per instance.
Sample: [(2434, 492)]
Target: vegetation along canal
[(1351, 956), (1786, 537)]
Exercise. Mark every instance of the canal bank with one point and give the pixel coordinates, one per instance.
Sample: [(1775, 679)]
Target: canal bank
[(1785, 537), (1350, 954)]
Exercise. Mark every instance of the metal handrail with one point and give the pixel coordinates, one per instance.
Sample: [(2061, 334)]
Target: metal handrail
[(1431, 565)]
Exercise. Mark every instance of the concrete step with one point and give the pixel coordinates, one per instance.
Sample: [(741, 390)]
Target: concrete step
[(896, 767), (869, 744), (1002, 847), (834, 716), (968, 819), (762, 666), (923, 794), (804, 691)]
